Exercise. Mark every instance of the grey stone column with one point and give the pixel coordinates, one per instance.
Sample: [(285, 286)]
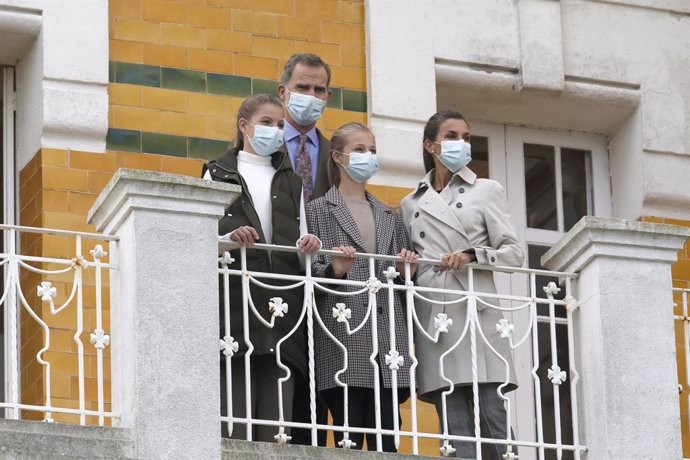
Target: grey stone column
[(624, 335), (164, 309)]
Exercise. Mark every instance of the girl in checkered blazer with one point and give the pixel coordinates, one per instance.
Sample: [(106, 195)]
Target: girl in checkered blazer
[(349, 219)]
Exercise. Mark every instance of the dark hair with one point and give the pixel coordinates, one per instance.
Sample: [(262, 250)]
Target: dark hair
[(308, 59), (338, 143), (247, 110), (431, 131)]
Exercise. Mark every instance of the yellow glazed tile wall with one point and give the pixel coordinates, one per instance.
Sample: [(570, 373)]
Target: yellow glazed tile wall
[(251, 38)]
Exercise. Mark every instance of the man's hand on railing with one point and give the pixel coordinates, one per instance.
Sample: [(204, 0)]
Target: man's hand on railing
[(309, 244), (409, 256), (341, 264), (456, 260), (245, 236)]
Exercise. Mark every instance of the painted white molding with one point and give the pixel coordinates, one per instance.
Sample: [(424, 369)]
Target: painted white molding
[(60, 51), (574, 65), (541, 44), (673, 6), (161, 220)]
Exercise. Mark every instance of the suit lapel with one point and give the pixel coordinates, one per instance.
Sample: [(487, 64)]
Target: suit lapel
[(344, 218), (322, 185)]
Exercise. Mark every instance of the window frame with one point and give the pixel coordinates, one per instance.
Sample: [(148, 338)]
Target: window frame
[(515, 138)]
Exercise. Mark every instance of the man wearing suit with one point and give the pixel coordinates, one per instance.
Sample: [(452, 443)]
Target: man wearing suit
[(304, 89)]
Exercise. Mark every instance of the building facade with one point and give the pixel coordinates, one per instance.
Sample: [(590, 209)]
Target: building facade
[(578, 107)]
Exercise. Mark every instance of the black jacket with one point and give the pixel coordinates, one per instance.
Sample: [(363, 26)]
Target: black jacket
[(286, 192)]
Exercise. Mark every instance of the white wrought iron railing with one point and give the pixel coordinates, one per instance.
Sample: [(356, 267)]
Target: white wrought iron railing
[(529, 310), (681, 303), (46, 298)]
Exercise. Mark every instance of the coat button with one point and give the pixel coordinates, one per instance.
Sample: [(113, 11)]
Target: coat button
[(214, 170), (436, 269), (458, 205), (421, 234), (493, 259), (416, 214), (461, 190)]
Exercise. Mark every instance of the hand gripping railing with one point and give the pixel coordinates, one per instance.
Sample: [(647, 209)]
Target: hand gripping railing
[(22, 300), (522, 335)]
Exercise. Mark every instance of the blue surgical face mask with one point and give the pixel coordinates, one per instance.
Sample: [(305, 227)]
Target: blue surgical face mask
[(305, 109), (362, 166), (455, 154), (267, 139)]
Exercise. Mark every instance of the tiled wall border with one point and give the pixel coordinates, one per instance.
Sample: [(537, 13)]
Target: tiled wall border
[(220, 84), (127, 140), (201, 82)]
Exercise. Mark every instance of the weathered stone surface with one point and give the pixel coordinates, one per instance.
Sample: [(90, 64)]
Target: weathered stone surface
[(245, 450), (22, 440), (164, 310), (625, 336)]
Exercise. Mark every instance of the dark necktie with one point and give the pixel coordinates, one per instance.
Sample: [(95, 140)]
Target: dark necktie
[(303, 166)]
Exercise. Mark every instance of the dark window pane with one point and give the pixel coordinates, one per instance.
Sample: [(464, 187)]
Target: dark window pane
[(540, 186), (548, 404), (534, 253), (576, 200), (480, 156)]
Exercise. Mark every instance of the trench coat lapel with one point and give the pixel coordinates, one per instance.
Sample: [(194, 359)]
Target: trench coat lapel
[(435, 205), (344, 218)]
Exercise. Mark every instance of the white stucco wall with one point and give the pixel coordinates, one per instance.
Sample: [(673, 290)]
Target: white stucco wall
[(617, 68), (62, 73)]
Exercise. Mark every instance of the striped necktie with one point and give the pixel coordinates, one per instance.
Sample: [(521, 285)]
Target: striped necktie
[(303, 166)]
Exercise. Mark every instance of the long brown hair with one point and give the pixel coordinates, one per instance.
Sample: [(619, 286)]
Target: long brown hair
[(431, 131), (247, 110), (338, 143)]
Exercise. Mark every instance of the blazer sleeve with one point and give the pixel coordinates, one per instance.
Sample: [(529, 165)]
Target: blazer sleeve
[(504, 249), (405, 217), (401, 239), (321, 264)]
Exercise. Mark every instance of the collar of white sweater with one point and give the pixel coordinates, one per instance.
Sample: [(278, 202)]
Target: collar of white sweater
[(246, 157)]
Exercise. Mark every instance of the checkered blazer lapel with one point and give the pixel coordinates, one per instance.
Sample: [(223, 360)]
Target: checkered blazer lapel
[(344, 218), (385, 224)]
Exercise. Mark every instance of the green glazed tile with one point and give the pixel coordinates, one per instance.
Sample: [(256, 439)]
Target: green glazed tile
[(229, 85), (336, 100), (186, 80), (123, 139), (111, 71), (264, 86), (137, 74), (354, 100), (164, 144), (206, 149)]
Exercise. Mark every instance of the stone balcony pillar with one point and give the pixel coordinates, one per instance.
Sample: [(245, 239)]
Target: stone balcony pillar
[(164, 309), (624, 335)]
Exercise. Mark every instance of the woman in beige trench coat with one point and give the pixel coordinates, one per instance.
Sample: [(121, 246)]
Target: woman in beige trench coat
[(457, 218)]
